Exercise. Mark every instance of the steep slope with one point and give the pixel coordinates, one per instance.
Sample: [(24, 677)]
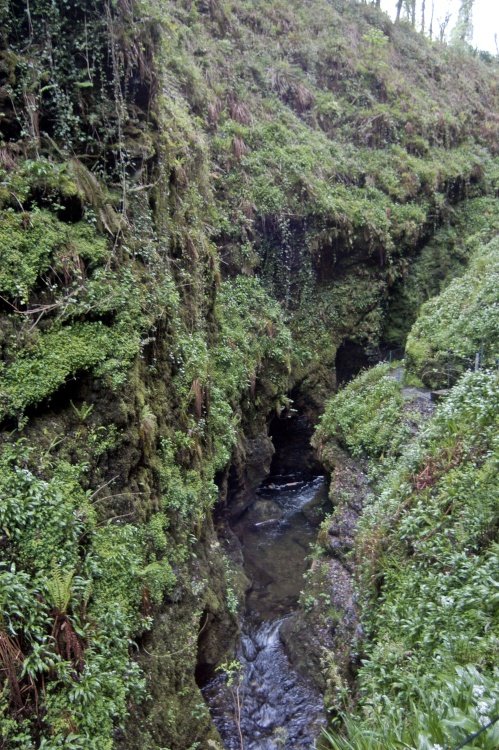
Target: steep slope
[(426, 549), (460, 327), (199, 201), (341, 144)]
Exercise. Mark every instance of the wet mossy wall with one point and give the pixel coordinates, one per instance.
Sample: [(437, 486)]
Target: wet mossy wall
[(199, 201)]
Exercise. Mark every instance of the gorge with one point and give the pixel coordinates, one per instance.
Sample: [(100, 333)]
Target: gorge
[(241, 242)]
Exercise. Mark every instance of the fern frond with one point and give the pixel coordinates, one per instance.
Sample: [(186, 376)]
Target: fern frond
[(60, 588)]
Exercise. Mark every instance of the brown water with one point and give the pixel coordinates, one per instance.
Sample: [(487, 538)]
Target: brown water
[(275, 706)]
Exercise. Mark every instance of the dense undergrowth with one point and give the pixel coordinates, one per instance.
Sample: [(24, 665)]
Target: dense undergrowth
[(426, 547), (472, 224), (70, 651), (126, 368), (198, 202), (461, 326), (367, 415)]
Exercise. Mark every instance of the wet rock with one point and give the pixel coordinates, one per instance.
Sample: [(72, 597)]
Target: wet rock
[(304, 646), (437, 396), (313, 510), (418, 407), (259, 452), (330, 620), (264, 510), (270, 522), (279, 708), (250, 467)]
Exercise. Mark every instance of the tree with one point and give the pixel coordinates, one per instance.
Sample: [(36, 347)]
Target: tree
[(463, 30), (410, 10), (443, 26), (430, 30)]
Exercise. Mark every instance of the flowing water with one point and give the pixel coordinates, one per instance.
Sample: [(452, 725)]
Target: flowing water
[(271, 706)]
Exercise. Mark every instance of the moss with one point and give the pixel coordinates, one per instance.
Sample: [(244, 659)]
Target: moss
[(45, 521), (471, 224), (424, 549), (428, 534), (424, 554), (305, 142), (63, 352), (33, 242), (458, 325)]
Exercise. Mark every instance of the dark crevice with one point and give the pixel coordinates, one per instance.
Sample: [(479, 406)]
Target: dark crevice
[(278, 522), (351, 358), (204, 672), (71, 391), (291, 433)]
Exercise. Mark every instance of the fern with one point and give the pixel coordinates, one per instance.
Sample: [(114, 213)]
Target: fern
[(60, 588)]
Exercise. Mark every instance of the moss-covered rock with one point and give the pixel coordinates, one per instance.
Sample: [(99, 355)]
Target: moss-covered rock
[(460, 328)]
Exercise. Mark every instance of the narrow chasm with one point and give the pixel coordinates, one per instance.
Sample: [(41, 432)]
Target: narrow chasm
[(260, 701)]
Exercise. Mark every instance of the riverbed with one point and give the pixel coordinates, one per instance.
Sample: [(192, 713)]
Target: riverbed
[(268, 705)]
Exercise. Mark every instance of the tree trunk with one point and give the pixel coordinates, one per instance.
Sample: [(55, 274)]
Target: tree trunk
[(432, 17), (443, 26), (399, 9)]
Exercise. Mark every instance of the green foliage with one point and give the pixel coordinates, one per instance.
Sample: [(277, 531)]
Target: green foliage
[(336, 150), (427, 558), (183, 490), (231, 671), (471, 224), (367, 415), (37, 176), (322, 156), (159, 578), (215, 384), (41, 519), (459, 323), (60, 589), (76, 85), (68, 269), (31, 243), (253, 345), (459, 705), (63, 352), (426, 549), (63, 560)]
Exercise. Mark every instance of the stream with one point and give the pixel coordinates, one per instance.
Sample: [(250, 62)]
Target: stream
[(275, 706), (267, 704)]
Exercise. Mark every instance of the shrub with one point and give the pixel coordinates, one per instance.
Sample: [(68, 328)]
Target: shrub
[(458, 324), (366, 415)]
